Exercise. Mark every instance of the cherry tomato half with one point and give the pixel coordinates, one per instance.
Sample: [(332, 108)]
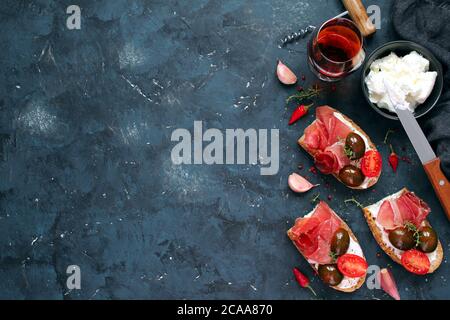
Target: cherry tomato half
[(352, 266), (371, 164), (416, 261)]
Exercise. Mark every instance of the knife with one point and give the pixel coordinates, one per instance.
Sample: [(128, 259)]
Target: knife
[(431, 163)]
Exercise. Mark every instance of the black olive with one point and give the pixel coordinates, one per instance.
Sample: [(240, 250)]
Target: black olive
[(428, 239), (356, 145), (330, 274), (351, 176), (340, 242), (402, 238)]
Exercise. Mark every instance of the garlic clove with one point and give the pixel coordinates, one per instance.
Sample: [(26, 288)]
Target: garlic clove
[(299, 184), (285, 75), (387, 283)]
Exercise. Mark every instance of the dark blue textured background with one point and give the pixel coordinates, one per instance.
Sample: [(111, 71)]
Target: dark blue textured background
[(85, 172)]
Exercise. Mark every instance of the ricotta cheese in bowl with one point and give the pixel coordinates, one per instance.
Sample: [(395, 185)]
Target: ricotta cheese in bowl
[(408, 74)]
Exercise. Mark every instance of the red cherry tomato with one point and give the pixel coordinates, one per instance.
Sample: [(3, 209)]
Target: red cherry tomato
[(416, 262), (352, 266), (371, 164)]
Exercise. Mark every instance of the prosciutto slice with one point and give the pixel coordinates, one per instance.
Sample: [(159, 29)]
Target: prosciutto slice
[(413, 208), (332, 159), (316, 136), (336, 129), (323, 139), (408, 207), (313, 234), (389, 215)]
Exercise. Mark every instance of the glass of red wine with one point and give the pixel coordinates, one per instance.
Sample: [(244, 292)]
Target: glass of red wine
[(336, 49)]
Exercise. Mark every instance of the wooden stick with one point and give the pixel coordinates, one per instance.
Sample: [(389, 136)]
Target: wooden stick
[(440, 183), (358, 13)]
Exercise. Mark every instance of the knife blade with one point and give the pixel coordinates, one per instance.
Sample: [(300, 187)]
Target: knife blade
[(431, 163), (416, 136), (412, 128)]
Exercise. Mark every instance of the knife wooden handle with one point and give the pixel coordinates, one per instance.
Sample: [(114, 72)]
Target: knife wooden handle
[(439, 182), (358, 13)]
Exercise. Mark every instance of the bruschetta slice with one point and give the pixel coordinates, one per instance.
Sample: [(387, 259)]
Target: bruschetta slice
[(330, 247), (341, 148), (399, 225)]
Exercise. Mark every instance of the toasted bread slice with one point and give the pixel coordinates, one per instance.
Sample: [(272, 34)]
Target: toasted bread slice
[(347, 284), (369, 182), (381, 236)]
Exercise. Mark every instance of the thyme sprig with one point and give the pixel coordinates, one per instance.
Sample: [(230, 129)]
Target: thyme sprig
[(349, 152), (304, 95), (356, 202), (416, 233), (316, 198), (333, 256), (386, 137)]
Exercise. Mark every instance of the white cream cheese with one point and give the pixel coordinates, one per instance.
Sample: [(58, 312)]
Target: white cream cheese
[(408, 75)]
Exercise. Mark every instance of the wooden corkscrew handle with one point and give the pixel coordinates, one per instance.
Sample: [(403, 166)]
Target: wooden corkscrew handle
[(440, 183), (358, 13)]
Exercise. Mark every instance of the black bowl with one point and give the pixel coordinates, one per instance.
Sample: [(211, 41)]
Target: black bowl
[(402, 48)]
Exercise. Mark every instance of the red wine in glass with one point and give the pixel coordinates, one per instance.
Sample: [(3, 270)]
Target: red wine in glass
[(336, 49)]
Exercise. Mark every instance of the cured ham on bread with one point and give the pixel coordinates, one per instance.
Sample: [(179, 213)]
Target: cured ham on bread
[(330, 247), (400, 226), (394, 212), (341, 148)]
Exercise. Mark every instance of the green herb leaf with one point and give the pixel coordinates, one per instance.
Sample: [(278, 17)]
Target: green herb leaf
[(349, 152), (304, 95), (333, 256), (386, 137), (412, 227), (356, 202), (315, 199)]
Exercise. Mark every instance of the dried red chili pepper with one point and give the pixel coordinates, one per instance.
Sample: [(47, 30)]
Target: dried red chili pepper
[(393, 159), (299, 112), (302, 280)]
